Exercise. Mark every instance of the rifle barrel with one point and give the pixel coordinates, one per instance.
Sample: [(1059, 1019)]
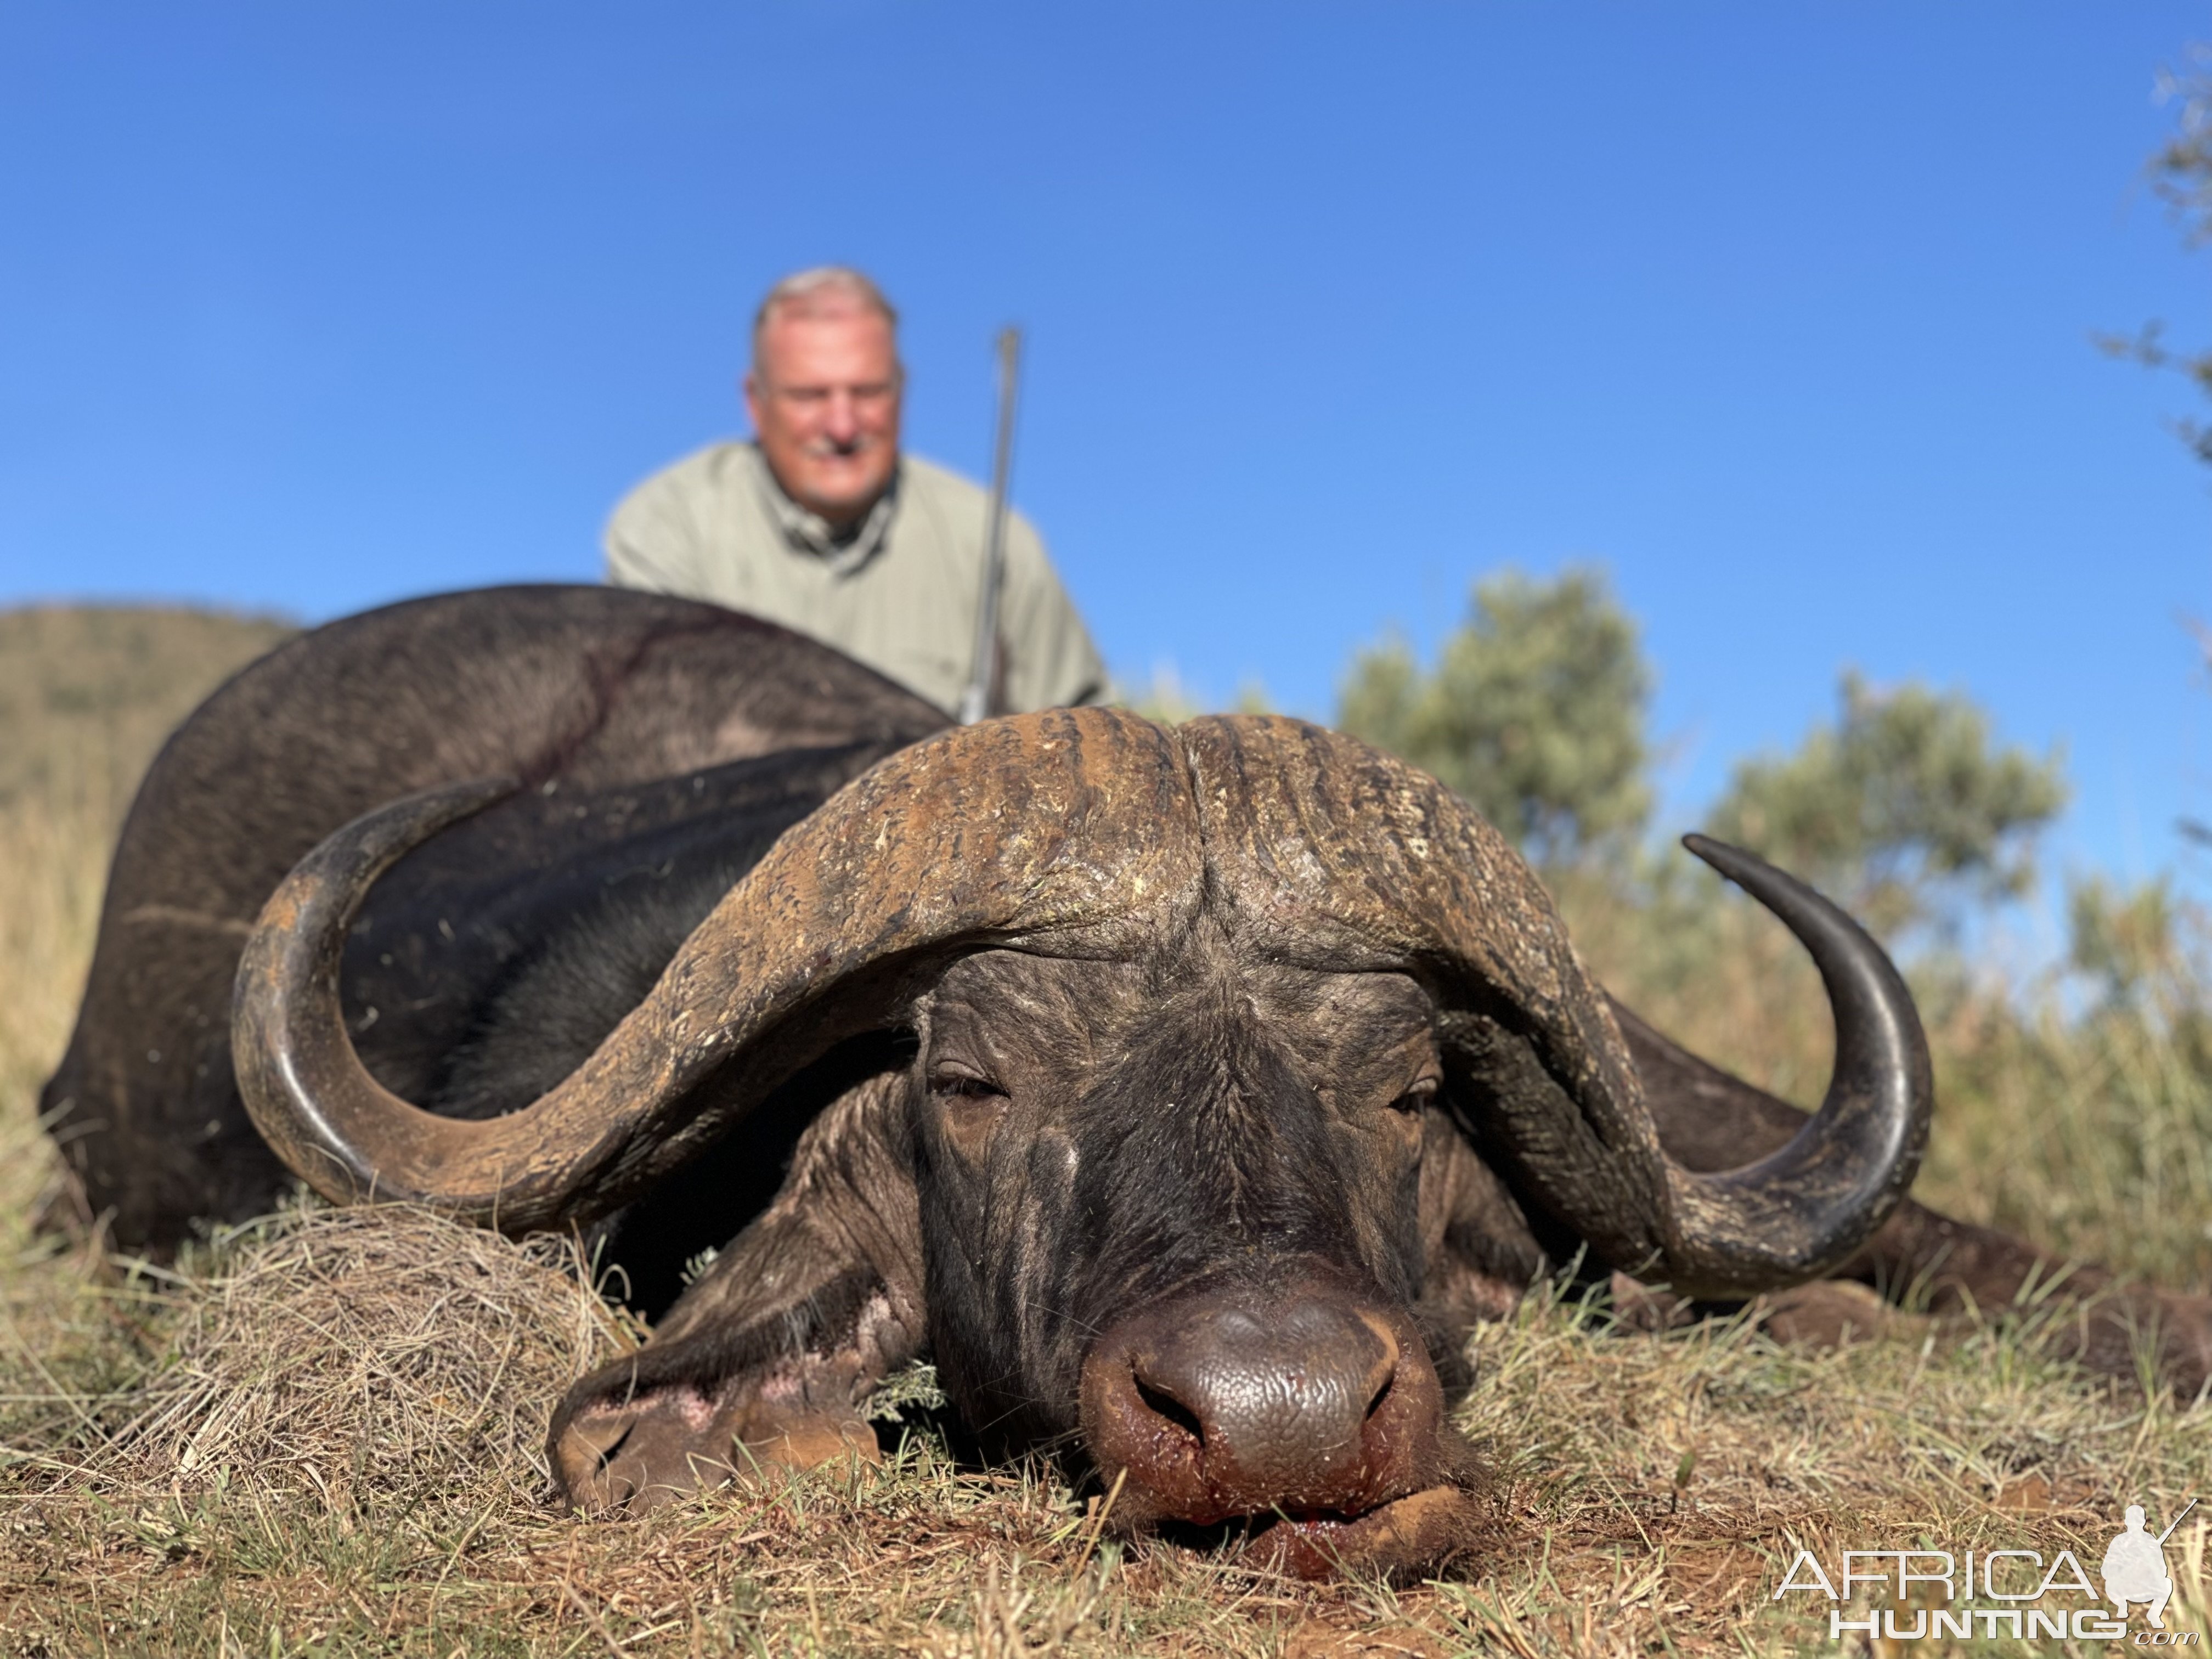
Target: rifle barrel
[(975, 702), (2177, 1521)]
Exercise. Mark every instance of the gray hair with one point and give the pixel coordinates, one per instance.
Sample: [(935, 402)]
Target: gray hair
[(825, 288)]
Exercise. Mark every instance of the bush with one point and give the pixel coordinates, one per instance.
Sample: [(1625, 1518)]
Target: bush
[(1534, 712)]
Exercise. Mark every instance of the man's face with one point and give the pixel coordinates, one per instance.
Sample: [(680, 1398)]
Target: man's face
[(824, 398)]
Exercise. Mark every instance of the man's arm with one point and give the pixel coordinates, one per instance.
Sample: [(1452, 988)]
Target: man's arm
[(652, 544), (1052, 662)]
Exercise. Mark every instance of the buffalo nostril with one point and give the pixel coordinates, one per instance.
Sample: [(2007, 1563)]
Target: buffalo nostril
[(1380, 1394), (1163, 1404)]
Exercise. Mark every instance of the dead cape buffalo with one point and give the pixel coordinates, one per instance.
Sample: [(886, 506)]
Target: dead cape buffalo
[(1184, 1093)]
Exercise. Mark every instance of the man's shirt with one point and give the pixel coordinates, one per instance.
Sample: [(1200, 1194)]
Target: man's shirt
[(899, 592)]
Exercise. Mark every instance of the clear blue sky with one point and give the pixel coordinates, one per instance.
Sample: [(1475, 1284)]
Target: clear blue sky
[(1780, 311)]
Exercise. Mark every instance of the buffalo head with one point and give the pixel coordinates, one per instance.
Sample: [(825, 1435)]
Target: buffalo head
[(1242, 1064)]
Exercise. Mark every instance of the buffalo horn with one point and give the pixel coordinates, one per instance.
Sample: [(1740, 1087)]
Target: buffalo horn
[(1077, 826), (288, 1036), (1091, 833), (1803, 1209), (1338, 855)]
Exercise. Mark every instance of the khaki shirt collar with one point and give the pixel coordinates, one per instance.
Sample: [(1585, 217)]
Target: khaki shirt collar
[(843, 552)]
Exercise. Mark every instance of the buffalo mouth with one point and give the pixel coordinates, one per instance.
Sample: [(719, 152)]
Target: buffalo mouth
[(1414, 1534)]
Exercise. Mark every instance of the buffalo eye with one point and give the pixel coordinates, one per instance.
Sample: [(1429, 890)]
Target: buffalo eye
[(1418, 1098), (964, 1085), (971, 1102)]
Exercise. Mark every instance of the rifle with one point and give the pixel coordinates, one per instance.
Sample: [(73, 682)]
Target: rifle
[(2177, 1521), (974, 702)]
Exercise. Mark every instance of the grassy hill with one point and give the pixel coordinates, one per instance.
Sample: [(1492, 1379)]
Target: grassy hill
[(87, 693)]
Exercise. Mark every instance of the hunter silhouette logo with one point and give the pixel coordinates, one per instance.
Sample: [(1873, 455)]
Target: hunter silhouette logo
[(2134, 1566), (2006, 1592)]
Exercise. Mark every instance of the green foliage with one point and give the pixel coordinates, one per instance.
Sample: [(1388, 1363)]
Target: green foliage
[(2181, 174), (2181, 171), (2128, 942), (2148, 346), (1906, 806), (1534, 711)]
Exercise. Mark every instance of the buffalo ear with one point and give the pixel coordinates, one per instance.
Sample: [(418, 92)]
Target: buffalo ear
[(701, 1206), (767, 1360), (659, 1425)]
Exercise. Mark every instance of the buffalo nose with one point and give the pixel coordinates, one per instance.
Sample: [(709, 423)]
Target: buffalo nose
[(1227, 1404), (1279, 1404)]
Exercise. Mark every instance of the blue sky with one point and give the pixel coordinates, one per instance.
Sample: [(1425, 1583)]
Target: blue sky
[(1779, 312)]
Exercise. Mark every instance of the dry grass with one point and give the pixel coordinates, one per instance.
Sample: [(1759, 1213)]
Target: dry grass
[(87, 693), (321, 1435), (315, 1354), (279, 1462)]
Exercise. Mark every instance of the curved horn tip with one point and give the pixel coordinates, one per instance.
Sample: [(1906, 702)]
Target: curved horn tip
[(1732, 861), (1801, 1211)]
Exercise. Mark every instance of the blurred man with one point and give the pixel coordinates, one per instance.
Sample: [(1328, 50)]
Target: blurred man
[(820, 524)]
